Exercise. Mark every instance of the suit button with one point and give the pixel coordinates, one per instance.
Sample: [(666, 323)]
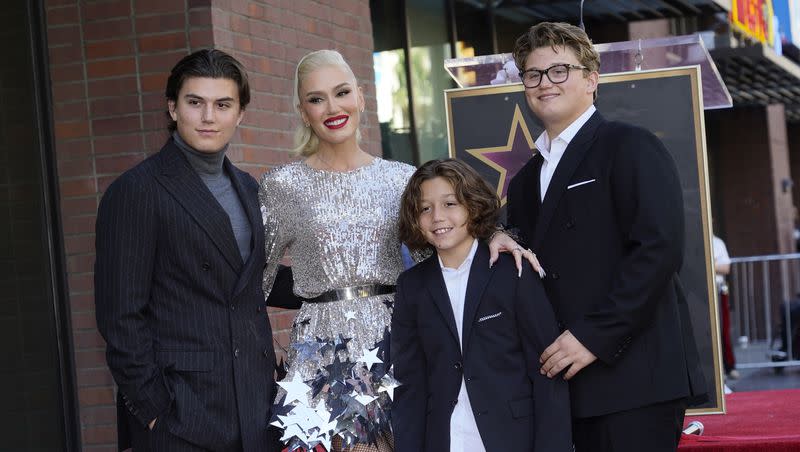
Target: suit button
[(457, 366), (266, 353), (236, 353), (206, 266), (233, 307), (554, 275), (569, 224)]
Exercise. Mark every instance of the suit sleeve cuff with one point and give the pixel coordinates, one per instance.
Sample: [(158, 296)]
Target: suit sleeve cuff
[(607, 349), (152, 402)]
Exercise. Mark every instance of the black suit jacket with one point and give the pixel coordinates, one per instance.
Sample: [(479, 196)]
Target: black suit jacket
[(507, 324), (610, 234), (184, 318)]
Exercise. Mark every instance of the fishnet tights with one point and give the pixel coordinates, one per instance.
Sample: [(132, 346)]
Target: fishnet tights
[(385, 444)]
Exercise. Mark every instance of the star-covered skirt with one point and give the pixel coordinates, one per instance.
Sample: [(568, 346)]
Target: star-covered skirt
[(338, 381)]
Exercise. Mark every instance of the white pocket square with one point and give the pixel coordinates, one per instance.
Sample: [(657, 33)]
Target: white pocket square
[(490, 316), (569, 187)]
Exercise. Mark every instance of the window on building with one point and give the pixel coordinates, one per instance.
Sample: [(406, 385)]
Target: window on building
[(410, 78)]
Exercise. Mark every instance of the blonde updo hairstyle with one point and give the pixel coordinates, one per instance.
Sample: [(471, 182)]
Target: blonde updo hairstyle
[(306, 141)]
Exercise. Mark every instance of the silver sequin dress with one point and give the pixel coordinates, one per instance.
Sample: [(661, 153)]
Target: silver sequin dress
[(341, 230)]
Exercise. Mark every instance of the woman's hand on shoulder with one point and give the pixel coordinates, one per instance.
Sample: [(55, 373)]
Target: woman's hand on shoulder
[(501, 242)]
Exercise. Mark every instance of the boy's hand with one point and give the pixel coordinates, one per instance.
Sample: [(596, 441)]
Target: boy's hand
[(565, 351)]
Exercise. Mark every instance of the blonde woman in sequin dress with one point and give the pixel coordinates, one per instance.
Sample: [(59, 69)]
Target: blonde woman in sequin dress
[(336, 212)]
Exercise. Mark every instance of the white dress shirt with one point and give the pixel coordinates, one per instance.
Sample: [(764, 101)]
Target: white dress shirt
[(553, 150), (464, 435)]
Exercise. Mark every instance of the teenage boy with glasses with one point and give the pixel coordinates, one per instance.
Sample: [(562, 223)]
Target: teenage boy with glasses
[(601, 205)]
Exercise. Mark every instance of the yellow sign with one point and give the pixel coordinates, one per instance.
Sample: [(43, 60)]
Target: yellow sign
[(754, 19)]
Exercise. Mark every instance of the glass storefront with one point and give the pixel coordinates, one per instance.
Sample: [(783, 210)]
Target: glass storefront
[(410, 77)]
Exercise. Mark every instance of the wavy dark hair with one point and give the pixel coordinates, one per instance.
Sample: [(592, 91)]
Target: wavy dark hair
[(207, 63), (481, 202)]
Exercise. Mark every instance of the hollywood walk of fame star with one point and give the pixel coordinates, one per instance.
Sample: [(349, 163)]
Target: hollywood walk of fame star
[(510, 158)]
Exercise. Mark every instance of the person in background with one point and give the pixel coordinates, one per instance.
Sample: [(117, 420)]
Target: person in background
[(722, 267)]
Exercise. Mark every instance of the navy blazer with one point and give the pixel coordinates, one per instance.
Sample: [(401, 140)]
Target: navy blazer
[(184, 318), (507, 324), (610, 235)]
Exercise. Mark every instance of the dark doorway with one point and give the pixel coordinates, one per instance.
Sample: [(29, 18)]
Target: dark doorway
[(37, 412)]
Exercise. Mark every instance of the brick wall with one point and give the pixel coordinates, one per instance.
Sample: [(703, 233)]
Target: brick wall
[(109, 60)]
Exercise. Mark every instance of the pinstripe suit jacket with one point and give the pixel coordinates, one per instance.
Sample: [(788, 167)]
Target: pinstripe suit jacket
[(184, 318)]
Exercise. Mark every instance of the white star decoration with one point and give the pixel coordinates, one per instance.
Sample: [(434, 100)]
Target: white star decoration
[(362, 398), (387, 385), (349, 315), (291, 431), (295, 389), (369, 358)]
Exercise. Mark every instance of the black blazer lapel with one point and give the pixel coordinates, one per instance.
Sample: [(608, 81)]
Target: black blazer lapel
[(183, 183), (249, 200), (479, 275), (438, 292), (573, 156)]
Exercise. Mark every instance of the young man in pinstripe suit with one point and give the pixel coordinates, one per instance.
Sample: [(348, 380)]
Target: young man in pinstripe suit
[(179, 301)]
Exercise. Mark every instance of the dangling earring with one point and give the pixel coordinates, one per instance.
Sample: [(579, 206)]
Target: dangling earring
[(308, 124)]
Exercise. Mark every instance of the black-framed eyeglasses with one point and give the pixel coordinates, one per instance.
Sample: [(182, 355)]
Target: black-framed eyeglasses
[(557, 73)]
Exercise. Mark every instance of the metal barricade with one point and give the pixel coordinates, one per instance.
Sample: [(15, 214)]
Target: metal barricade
[(764, 293)]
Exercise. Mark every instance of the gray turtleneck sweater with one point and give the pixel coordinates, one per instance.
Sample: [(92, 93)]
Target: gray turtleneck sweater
[(209, 168)]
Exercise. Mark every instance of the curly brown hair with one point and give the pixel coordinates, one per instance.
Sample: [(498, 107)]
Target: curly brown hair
[(471, 190), (554, 35)]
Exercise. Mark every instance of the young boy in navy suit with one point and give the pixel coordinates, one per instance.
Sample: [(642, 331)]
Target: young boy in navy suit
[(466, 337)]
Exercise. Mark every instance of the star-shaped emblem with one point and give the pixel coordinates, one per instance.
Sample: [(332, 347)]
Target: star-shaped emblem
[(510, 158), (370, 357), (307, 350), (388, 384), (349, 315), (338, 370), (279, 410), (341, 343), (292, 431), (362, 398), (295, 389)]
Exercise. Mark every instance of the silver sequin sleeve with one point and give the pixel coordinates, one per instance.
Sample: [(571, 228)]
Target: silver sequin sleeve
[(276, 239)]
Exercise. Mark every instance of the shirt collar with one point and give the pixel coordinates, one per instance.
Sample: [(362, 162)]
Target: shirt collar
[(543, 143), (467, 261)]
